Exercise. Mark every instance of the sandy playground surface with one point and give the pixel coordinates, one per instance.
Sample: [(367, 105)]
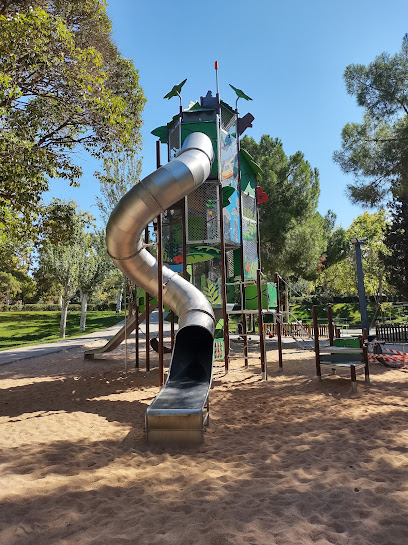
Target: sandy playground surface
[(288, 461)]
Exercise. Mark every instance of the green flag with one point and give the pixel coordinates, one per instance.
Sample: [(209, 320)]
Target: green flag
[(240, 93), (176, 90)]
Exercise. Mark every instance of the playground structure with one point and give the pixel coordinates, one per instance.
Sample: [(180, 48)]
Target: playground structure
[(199, 259)]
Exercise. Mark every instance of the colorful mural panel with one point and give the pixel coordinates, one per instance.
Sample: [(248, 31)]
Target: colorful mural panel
[(229, 179)]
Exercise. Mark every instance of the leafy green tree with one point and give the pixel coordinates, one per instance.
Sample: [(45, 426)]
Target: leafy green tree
[(61, 221), (9, 286), (340, 278), (395, 260), (116, 180), (375, 151), (95, 268), (305, 243), (64, 260), (293, 189), (63, 85)]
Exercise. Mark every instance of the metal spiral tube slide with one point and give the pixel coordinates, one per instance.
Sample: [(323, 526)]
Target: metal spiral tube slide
[(177, 413)]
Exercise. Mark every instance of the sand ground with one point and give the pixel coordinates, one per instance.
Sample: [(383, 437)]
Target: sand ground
[(288, 461)]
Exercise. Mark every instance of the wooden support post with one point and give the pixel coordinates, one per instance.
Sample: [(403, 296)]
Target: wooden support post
[(147, 305), (278, 323), (316, 342), (160, 280), (366, 367), (260, 326), (172, 329), (353, 378), (330, 324), (137, 361), (223, 279), (184, 236), (126, 346)]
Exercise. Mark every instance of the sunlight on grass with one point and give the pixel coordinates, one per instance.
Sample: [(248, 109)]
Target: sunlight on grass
[(25, 328)]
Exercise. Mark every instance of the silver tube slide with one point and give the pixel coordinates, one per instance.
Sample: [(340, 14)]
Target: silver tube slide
[(179, 406)]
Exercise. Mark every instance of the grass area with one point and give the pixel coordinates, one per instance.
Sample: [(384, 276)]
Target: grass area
[(348, 313), (25, 328)]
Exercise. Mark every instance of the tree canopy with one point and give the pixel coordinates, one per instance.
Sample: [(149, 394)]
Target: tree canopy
[(289, 216), (340, 277), (375, 151), (63, 84), (395, 259)]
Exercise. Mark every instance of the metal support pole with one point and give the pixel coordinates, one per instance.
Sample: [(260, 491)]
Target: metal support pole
[(160, 279), (241, 255), (278, 323), (360, 285)]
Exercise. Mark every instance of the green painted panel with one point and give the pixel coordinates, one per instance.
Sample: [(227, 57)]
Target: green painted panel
[(210, 129)]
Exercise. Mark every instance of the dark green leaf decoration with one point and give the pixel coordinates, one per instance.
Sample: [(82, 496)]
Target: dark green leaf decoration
[(175, 92), (227, 191), (240, 93)]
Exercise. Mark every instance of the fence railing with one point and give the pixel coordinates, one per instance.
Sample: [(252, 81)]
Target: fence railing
[(293, 329), (392, 332)]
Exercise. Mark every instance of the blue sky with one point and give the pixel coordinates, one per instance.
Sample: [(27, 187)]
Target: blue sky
[(288, 56)]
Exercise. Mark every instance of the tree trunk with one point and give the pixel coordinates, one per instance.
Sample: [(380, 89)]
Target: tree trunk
[(63, 321), (119, 300), (84, 308), (60, 300)]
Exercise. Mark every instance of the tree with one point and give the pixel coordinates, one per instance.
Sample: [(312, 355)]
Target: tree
[(64, 260), (293, 189), (395, 260), (340, 278), (305, 243), (116, 180), (9, 286), (375, 151), (63, 84), (94, 269)]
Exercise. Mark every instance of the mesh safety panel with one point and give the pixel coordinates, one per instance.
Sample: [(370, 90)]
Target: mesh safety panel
[(248, 206), (249, 236), (227, 118), (229, 263), (174, 140), (172, 234), (202, 214)]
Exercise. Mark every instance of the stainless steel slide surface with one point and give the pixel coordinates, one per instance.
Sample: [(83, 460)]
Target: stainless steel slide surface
[(176, 415)]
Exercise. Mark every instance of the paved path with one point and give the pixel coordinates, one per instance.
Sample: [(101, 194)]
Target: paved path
[(25, 352)]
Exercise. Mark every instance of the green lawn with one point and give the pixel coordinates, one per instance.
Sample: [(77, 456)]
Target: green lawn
[(348, 313), (25, 328)]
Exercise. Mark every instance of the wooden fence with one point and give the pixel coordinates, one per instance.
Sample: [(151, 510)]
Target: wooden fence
[(294, 329), (394, 333)]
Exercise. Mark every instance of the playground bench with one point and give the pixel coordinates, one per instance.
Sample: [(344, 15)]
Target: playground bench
[(344, 358), (340, 357)]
